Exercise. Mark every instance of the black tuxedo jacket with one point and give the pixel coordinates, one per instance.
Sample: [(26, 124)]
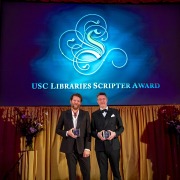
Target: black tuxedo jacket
[(112, 122), (66, 123)]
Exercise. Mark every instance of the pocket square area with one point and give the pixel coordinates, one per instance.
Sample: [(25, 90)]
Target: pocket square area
[(112, 115)]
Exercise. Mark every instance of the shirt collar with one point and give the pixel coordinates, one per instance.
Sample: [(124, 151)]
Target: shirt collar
[(77, 113), (105, 108)]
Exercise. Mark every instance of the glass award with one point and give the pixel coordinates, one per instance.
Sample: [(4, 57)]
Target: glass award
[(106, 134), (76, 132)]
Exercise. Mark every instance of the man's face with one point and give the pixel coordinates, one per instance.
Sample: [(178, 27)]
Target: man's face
[(102, 101), (75, 103)]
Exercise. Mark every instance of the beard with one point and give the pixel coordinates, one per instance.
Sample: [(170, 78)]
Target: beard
[(75, 107)]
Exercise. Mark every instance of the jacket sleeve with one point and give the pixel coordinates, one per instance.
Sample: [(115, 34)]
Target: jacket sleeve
[(93, 127), (120, 127), (59, 128), (88, 132)]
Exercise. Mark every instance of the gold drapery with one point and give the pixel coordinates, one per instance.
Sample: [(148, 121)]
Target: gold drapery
[(147, 151)]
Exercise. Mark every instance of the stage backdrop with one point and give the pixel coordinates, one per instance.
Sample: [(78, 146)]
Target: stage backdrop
[(51, 50)]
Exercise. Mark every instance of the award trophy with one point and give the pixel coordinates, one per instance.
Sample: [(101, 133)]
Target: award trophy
[(76, 132), (106, 134)]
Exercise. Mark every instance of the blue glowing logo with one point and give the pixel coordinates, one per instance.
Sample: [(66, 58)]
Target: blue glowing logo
[(85, 48)]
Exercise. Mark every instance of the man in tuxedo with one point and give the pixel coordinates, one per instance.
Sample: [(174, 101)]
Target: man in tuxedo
[(74, 127), (106, 126)]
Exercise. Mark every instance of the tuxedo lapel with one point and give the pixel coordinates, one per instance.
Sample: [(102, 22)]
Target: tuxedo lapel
[(107, 118), (69, 118), (80, 117), (101, 119)]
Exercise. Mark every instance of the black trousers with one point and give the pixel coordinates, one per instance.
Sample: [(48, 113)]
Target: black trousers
[(114, 158), (84, 163)]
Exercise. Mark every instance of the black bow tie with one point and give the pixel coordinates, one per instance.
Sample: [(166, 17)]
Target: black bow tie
[(104, 110)]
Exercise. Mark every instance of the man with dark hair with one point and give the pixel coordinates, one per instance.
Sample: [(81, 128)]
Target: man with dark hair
[(74, 127), (106, 126)]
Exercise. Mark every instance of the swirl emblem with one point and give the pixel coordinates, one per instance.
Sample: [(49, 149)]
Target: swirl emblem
[(84, 45)]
